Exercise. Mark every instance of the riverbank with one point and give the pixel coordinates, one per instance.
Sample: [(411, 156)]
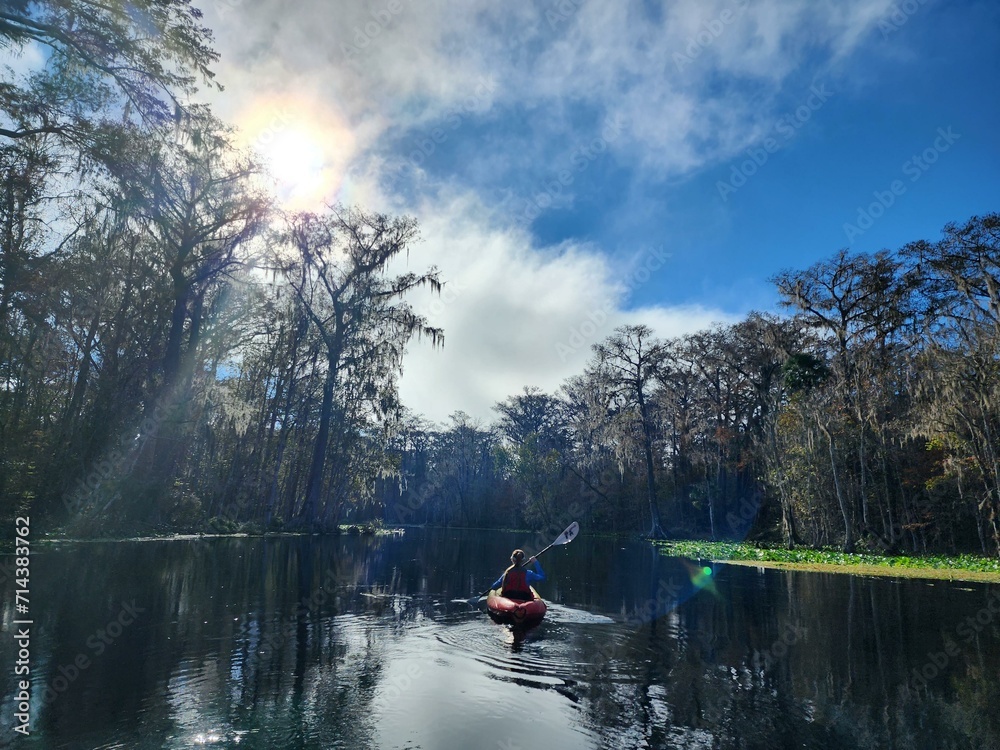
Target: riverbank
[(939, 567), (61, 537)]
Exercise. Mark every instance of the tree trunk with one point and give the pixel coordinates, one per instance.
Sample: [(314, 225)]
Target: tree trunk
[(848, 536), (314, 482), (172, 354), (655, 530), (787, 521)]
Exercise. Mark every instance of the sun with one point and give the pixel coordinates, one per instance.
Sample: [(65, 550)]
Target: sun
[(304, 146), (298, 163)]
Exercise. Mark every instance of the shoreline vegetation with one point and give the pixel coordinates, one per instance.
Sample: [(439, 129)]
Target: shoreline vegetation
[(176, 359), (163, 535), (62, 536), (938, 567), (962, 567)]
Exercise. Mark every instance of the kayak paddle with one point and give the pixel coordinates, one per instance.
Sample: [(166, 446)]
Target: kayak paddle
[(565, 538)]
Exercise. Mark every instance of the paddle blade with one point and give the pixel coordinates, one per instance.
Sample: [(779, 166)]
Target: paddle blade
[(567, 536)]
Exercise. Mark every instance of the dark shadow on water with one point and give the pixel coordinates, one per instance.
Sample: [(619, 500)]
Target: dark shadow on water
[(310, 642)]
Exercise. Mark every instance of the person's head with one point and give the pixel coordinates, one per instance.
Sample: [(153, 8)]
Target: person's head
[(517, 556)]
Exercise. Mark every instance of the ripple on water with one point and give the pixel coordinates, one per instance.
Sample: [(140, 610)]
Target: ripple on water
[(547, 657), (568, 615)]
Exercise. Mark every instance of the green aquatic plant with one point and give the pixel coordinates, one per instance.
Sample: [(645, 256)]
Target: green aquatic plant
[(746, 551)]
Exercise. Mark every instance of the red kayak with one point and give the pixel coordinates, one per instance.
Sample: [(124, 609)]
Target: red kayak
[(515, 612)]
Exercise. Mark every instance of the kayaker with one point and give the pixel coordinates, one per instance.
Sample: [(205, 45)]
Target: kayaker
[(516, 580)]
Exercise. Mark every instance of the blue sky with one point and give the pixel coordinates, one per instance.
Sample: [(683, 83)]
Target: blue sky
[(875, 112), (551, 149)]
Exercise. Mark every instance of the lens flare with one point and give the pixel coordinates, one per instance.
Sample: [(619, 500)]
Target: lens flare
[(702, 577), (304, 149)]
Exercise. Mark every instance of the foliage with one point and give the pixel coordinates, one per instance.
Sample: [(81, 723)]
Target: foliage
[(143, 57), (723, 551), (174, 352)]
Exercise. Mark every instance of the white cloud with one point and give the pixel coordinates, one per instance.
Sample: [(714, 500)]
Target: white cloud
[(515, 314), (22, 61), (701, 83), (389, 71), (400, 64), (669, 322)]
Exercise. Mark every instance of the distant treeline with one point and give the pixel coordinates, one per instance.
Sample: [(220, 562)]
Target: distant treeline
[(176, 353), (869, 417)]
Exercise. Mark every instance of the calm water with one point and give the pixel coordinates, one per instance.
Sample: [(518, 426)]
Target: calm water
[(358, 643)]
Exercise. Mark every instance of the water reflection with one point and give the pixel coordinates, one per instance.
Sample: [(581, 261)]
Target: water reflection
[(321, 643)]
